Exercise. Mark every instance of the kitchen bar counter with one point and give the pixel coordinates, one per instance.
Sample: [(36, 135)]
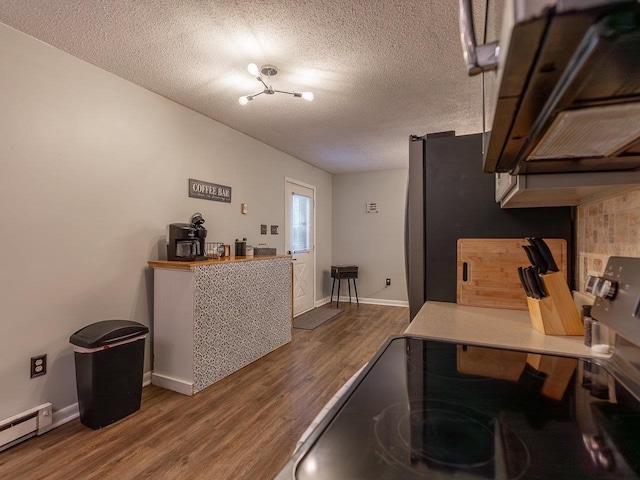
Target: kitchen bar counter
[(491, 327), (213, 261), (212, 318)]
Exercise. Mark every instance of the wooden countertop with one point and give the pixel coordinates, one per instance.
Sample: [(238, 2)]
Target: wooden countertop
[(492, 327), (192, 265)]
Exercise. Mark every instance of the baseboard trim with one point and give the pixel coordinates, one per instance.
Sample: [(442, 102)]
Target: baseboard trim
[(146, 378), (376, 301), (370, 301), (174, 384), (322, 301), (64, 415)]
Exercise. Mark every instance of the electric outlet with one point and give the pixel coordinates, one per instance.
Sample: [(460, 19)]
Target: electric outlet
[(263, 229), (274, 229), (388, 282), (38, 365)]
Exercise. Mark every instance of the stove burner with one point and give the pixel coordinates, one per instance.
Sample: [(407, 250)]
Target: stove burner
[(448, 437)]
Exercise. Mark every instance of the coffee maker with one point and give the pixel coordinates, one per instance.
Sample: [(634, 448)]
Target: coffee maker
[(185, 241)]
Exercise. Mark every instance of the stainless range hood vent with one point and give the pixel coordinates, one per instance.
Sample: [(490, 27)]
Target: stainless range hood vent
[(590, 133), (565, 97)]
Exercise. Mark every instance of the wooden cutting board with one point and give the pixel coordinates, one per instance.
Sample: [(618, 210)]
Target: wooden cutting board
[(487, 271)]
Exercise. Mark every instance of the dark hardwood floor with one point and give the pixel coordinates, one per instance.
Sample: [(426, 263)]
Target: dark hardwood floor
[(243, 427)]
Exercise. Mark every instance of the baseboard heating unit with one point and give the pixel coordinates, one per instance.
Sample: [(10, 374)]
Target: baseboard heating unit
[(27, 424)]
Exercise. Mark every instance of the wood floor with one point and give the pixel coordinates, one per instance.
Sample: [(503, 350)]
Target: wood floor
[(243, 427)]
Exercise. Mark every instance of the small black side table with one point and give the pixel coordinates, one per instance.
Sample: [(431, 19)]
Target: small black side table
[(348, 272)]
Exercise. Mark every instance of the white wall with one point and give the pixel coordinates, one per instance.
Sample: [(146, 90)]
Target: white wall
[(373, 242), (93, 168)]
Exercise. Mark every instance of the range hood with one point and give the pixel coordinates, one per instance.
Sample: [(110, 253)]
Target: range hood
[(567, 189), (562, 86)]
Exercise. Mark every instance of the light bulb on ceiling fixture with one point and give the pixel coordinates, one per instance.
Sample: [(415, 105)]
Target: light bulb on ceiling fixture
[(253, 70), (244, 100), (308, 96)]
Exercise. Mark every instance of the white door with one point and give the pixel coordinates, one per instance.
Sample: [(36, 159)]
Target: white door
[(299, 240)]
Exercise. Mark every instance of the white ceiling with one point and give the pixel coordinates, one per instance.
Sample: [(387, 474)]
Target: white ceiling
[(380, 70)]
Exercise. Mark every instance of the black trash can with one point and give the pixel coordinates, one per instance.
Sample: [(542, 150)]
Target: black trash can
[(109, 357)]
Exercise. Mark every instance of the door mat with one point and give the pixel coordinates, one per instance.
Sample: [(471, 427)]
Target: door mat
[(314, 318)]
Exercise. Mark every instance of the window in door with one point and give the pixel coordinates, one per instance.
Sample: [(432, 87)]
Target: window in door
[(300, 223)]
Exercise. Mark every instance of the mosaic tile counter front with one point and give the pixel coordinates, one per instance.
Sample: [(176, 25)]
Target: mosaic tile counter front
[(215, 319)]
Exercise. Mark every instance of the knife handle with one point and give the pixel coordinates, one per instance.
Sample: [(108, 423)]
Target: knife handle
[(535, 258), (530, 275), (545, 252), (527, 250), (540, 284), (523, 282)]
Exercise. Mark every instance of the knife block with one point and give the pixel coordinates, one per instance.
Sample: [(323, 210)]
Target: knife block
[(555, 314)]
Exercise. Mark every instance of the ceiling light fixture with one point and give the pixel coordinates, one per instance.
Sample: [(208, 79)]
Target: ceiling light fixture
[(269, 71)]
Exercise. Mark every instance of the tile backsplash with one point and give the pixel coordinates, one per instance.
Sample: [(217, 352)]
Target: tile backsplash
[(607, 227)]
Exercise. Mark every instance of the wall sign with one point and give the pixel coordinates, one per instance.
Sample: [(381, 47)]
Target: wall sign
[(209, 191)]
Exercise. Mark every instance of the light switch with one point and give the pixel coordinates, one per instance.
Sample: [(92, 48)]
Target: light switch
[(244, 208)]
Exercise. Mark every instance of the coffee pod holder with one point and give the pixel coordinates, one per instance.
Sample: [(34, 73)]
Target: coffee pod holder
[(555, 314)]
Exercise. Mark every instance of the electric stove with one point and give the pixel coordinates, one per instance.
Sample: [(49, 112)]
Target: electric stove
[(430, 409)]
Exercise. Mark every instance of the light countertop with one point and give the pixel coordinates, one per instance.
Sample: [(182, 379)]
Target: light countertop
[(491, 327), (176, 265)]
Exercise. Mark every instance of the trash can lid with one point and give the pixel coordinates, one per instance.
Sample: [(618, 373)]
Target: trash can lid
[(107, 332)]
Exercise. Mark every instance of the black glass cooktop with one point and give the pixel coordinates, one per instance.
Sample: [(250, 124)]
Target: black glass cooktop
[(427, 409)]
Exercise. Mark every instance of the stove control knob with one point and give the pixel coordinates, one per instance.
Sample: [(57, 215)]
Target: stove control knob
[(601, 287), (608, 289)]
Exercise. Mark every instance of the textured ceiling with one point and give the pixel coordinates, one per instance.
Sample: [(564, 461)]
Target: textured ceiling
[(380, 70)]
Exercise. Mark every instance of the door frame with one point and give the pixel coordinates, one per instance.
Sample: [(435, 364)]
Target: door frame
[(315, 222)]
